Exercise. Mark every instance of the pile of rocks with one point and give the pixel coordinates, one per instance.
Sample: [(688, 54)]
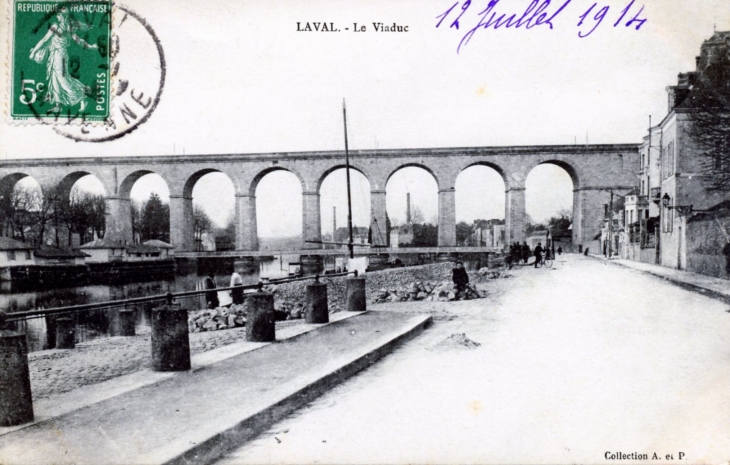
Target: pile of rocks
[(217, 318), (286, 310), (444, 291), (235, 316), (492, 274)]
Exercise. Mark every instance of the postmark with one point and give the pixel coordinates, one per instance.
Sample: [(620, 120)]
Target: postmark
[(138, 74), (61, 61)]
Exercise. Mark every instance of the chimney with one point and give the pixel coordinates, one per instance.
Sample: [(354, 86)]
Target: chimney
[(408, 208)]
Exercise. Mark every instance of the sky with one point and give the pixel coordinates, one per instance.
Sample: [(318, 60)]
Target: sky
[(241, 79)]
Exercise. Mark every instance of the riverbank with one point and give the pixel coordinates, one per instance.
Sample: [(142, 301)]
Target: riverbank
[(58, 371)]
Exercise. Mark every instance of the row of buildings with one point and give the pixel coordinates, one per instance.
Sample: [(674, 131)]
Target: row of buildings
[(671, 218), (19, 260)]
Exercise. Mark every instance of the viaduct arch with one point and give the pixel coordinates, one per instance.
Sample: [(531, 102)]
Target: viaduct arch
[(594, 169)]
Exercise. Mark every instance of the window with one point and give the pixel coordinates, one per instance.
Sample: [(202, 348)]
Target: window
[(27, 254), (668, 160), (11, 255)]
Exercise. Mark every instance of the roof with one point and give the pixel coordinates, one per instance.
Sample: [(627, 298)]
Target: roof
[(103, 243), (719, 36), (142, 248), (7, 243), (159, 244), (561, 233), (47, 251)]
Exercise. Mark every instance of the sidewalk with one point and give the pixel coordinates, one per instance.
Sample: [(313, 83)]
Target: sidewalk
[(708, 285), (196, 416)]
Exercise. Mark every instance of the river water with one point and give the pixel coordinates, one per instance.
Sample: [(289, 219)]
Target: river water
[(95, 324)]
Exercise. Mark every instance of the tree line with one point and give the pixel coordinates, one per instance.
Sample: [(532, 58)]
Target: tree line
[(49, 217)]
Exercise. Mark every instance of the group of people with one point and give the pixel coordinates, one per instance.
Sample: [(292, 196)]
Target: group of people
[(520, 253), (211, 297)]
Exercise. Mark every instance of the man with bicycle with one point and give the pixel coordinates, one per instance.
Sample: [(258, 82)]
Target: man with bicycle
[(538, 253)]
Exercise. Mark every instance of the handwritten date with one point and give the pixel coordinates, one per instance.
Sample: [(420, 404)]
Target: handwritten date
[(538, 13)]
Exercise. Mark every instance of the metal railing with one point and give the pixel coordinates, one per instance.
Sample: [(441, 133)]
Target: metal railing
[(169, 297)]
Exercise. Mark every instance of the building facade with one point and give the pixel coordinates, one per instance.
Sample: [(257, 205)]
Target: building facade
[(671, 187)]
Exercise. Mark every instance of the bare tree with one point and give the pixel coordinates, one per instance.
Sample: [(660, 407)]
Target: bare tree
[(82, 213), (201, 225), (417, 216), (23, 204), (709, 114), (136, 213)]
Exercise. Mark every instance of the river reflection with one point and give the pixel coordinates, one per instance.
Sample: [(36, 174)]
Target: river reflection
[(100, 323)]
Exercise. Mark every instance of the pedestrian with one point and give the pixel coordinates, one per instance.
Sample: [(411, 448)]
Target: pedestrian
[(560, 250), (237, 294), (211, 297), (552, 252), (525, 252), (538, 253), (726, 252), (460, 277)]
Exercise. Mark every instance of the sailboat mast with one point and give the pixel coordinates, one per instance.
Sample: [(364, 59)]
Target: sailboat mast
[(350, 244)]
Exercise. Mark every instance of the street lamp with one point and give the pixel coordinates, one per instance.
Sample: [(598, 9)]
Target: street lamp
[(683, 210)]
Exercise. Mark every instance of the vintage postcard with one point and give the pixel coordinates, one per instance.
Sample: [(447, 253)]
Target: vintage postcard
[(364, 232)]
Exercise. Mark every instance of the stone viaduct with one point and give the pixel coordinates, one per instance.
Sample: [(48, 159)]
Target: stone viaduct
[(594, 169)]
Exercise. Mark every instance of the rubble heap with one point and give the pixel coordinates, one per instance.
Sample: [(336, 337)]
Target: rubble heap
[(457, 341), (295, 292), (217, 318), (235, 316), (486, 273), (444, 291)]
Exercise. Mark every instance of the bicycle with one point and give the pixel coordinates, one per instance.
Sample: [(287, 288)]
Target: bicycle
[(545, 260)]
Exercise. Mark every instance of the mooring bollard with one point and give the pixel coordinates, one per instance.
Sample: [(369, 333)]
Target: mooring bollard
[(127, 319), (16, 401), (356, 293), (50, 332), (317, 310), (65, 334), (170, 341), (260, 320)]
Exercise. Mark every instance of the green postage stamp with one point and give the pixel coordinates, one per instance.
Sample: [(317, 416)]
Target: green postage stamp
[(60, 60)]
